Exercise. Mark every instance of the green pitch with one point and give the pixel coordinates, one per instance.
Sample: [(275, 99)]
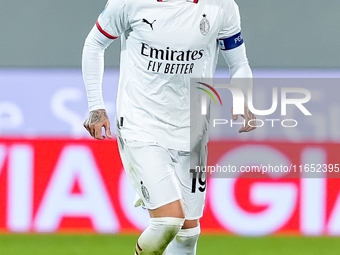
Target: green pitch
[(124, 245)]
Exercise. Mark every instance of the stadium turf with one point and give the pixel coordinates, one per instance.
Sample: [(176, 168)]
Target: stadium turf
[(123, 245)]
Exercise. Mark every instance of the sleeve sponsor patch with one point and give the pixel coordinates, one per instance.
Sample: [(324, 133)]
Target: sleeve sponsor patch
[(231, 42)]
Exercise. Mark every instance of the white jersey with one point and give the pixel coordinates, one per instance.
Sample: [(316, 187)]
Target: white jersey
[(164, 44)]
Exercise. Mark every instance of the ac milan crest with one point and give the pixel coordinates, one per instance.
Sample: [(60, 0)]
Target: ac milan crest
[(145, 192), (204, 25)]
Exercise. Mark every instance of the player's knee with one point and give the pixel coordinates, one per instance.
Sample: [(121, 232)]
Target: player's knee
[(188, 237), (185, 242), (158, 235)]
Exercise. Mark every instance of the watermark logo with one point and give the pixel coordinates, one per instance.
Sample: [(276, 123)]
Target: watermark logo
[(302, 96), (239, 101), (209, 93)]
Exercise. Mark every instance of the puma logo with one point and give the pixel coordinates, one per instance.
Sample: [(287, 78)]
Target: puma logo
[(147, 22)]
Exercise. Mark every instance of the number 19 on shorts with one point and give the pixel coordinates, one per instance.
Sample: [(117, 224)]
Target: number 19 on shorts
[(198, 179)]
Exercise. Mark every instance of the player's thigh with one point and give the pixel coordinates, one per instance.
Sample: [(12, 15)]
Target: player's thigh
[(150, 170), (173, 209), (192, 183), (190, 224)]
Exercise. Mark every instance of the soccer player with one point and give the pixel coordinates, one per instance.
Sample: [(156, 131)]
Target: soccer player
[(164, 44)]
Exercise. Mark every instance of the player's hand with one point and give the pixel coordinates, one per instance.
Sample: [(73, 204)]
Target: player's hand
[(94, 123), (248, 115)]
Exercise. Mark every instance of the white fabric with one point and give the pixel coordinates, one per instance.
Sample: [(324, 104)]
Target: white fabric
[(138, 202), (231, 24), (158, 235), (160, 176), (93, 67), (162, 48), (151, 172), (114, 18), (185, 243), (239, 69)]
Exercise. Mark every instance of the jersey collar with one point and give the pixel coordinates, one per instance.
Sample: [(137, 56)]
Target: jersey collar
[(191, 1)]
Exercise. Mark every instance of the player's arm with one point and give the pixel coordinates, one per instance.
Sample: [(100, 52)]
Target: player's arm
[(93, 70), (241, 76), (234, 52), (110, 24)]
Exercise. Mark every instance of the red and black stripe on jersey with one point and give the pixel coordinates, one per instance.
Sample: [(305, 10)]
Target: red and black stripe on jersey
[(105, 33)]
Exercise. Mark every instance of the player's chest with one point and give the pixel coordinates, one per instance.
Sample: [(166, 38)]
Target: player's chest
[(177, 26)]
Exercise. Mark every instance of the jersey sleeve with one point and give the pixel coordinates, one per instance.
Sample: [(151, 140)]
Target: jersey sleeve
[(229, 35), (113, 21), (233, 48)]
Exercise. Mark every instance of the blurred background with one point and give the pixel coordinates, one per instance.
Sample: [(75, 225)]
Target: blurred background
[(289, 34), (55, 179)]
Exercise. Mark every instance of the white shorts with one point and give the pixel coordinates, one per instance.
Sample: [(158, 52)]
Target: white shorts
[(161, 176)]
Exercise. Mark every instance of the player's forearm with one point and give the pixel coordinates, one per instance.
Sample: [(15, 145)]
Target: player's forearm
[(93, 68), (240, 71)]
